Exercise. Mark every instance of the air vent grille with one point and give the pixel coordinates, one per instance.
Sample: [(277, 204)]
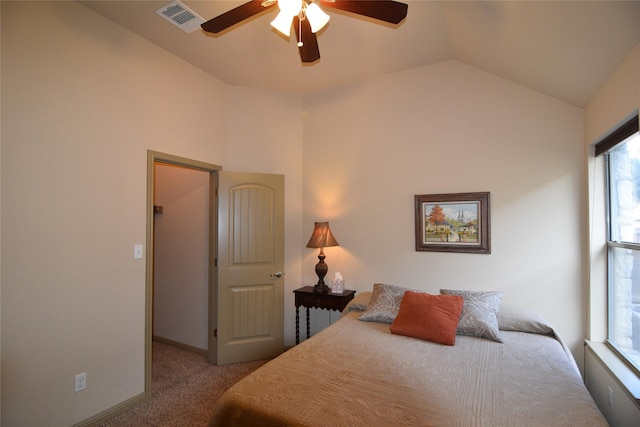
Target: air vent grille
[(181, 16)]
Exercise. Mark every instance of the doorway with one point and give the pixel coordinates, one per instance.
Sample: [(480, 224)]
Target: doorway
[(167, 160), (180, 254), (245, 263)]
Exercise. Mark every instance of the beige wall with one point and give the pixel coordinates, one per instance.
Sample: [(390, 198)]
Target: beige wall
[(451, 128), (81, 107), (181, 256), (82, 102), (616, 100)]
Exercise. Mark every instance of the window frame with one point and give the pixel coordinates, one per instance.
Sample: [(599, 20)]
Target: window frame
[(604, 147)]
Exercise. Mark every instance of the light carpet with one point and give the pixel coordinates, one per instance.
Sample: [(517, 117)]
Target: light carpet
[(185, 389)]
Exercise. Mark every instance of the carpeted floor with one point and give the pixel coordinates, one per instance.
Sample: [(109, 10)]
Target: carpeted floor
[(185, 389)]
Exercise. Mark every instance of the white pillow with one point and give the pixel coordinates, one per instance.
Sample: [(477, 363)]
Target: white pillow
[(521, 319)]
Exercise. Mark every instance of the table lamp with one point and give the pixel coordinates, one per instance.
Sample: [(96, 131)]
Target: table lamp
[(321, 238)]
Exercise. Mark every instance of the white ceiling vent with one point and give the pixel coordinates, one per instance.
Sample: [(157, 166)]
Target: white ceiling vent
[(181, 16)]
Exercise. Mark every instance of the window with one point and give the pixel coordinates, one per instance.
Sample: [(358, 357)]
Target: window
[(622, 159)]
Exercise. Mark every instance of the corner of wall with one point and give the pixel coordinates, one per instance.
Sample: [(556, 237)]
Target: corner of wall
[(616, 100)]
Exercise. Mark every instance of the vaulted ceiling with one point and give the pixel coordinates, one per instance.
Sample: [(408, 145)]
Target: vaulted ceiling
[(565, 49)]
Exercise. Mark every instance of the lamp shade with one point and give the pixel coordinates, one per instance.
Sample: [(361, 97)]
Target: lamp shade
[(282, 23), (317, 18), (288, 9), (322, 236)]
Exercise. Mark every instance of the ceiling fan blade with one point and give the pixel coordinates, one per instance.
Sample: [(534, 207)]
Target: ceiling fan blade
[(234, 16), (309, 51), (384, 10)]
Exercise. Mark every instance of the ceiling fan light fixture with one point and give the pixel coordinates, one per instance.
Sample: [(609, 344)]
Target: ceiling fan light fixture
[(282, 23), (316, 16), (290, 7), (304, 14)]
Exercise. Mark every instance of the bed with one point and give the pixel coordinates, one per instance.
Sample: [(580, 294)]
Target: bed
[(357, 372)]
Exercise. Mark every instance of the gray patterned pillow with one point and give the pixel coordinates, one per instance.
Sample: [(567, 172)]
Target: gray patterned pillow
[(479, 313), (359, 303), (384, 303)]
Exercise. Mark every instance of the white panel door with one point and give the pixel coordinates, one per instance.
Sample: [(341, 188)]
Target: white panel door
[(250, 282)]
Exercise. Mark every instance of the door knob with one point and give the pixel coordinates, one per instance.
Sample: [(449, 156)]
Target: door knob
[(278, 274)]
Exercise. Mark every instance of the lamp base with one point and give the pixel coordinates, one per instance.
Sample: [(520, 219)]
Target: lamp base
[(321, 271), (321, 288)]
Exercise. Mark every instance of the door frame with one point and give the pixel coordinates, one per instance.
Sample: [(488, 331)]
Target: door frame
[(154, 157)]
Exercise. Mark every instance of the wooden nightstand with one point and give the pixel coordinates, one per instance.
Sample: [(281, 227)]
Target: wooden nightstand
[(307, 298)]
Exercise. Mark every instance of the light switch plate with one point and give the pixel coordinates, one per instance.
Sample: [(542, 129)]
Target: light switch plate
[(137, 251)]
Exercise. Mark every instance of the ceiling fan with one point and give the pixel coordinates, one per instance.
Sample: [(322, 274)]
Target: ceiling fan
[(307, 18)]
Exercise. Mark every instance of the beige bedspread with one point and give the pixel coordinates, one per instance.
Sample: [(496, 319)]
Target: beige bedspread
[(357, 373)]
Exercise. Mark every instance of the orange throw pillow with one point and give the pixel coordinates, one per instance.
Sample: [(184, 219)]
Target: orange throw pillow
[(428, 317)]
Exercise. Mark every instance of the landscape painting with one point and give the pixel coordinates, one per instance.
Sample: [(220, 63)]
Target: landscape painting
[(452, 222)]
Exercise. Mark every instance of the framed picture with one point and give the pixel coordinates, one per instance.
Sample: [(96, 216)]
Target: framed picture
[(457, 222)]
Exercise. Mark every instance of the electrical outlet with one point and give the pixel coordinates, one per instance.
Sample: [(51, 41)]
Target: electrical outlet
[(610, 397), (81, 382)]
